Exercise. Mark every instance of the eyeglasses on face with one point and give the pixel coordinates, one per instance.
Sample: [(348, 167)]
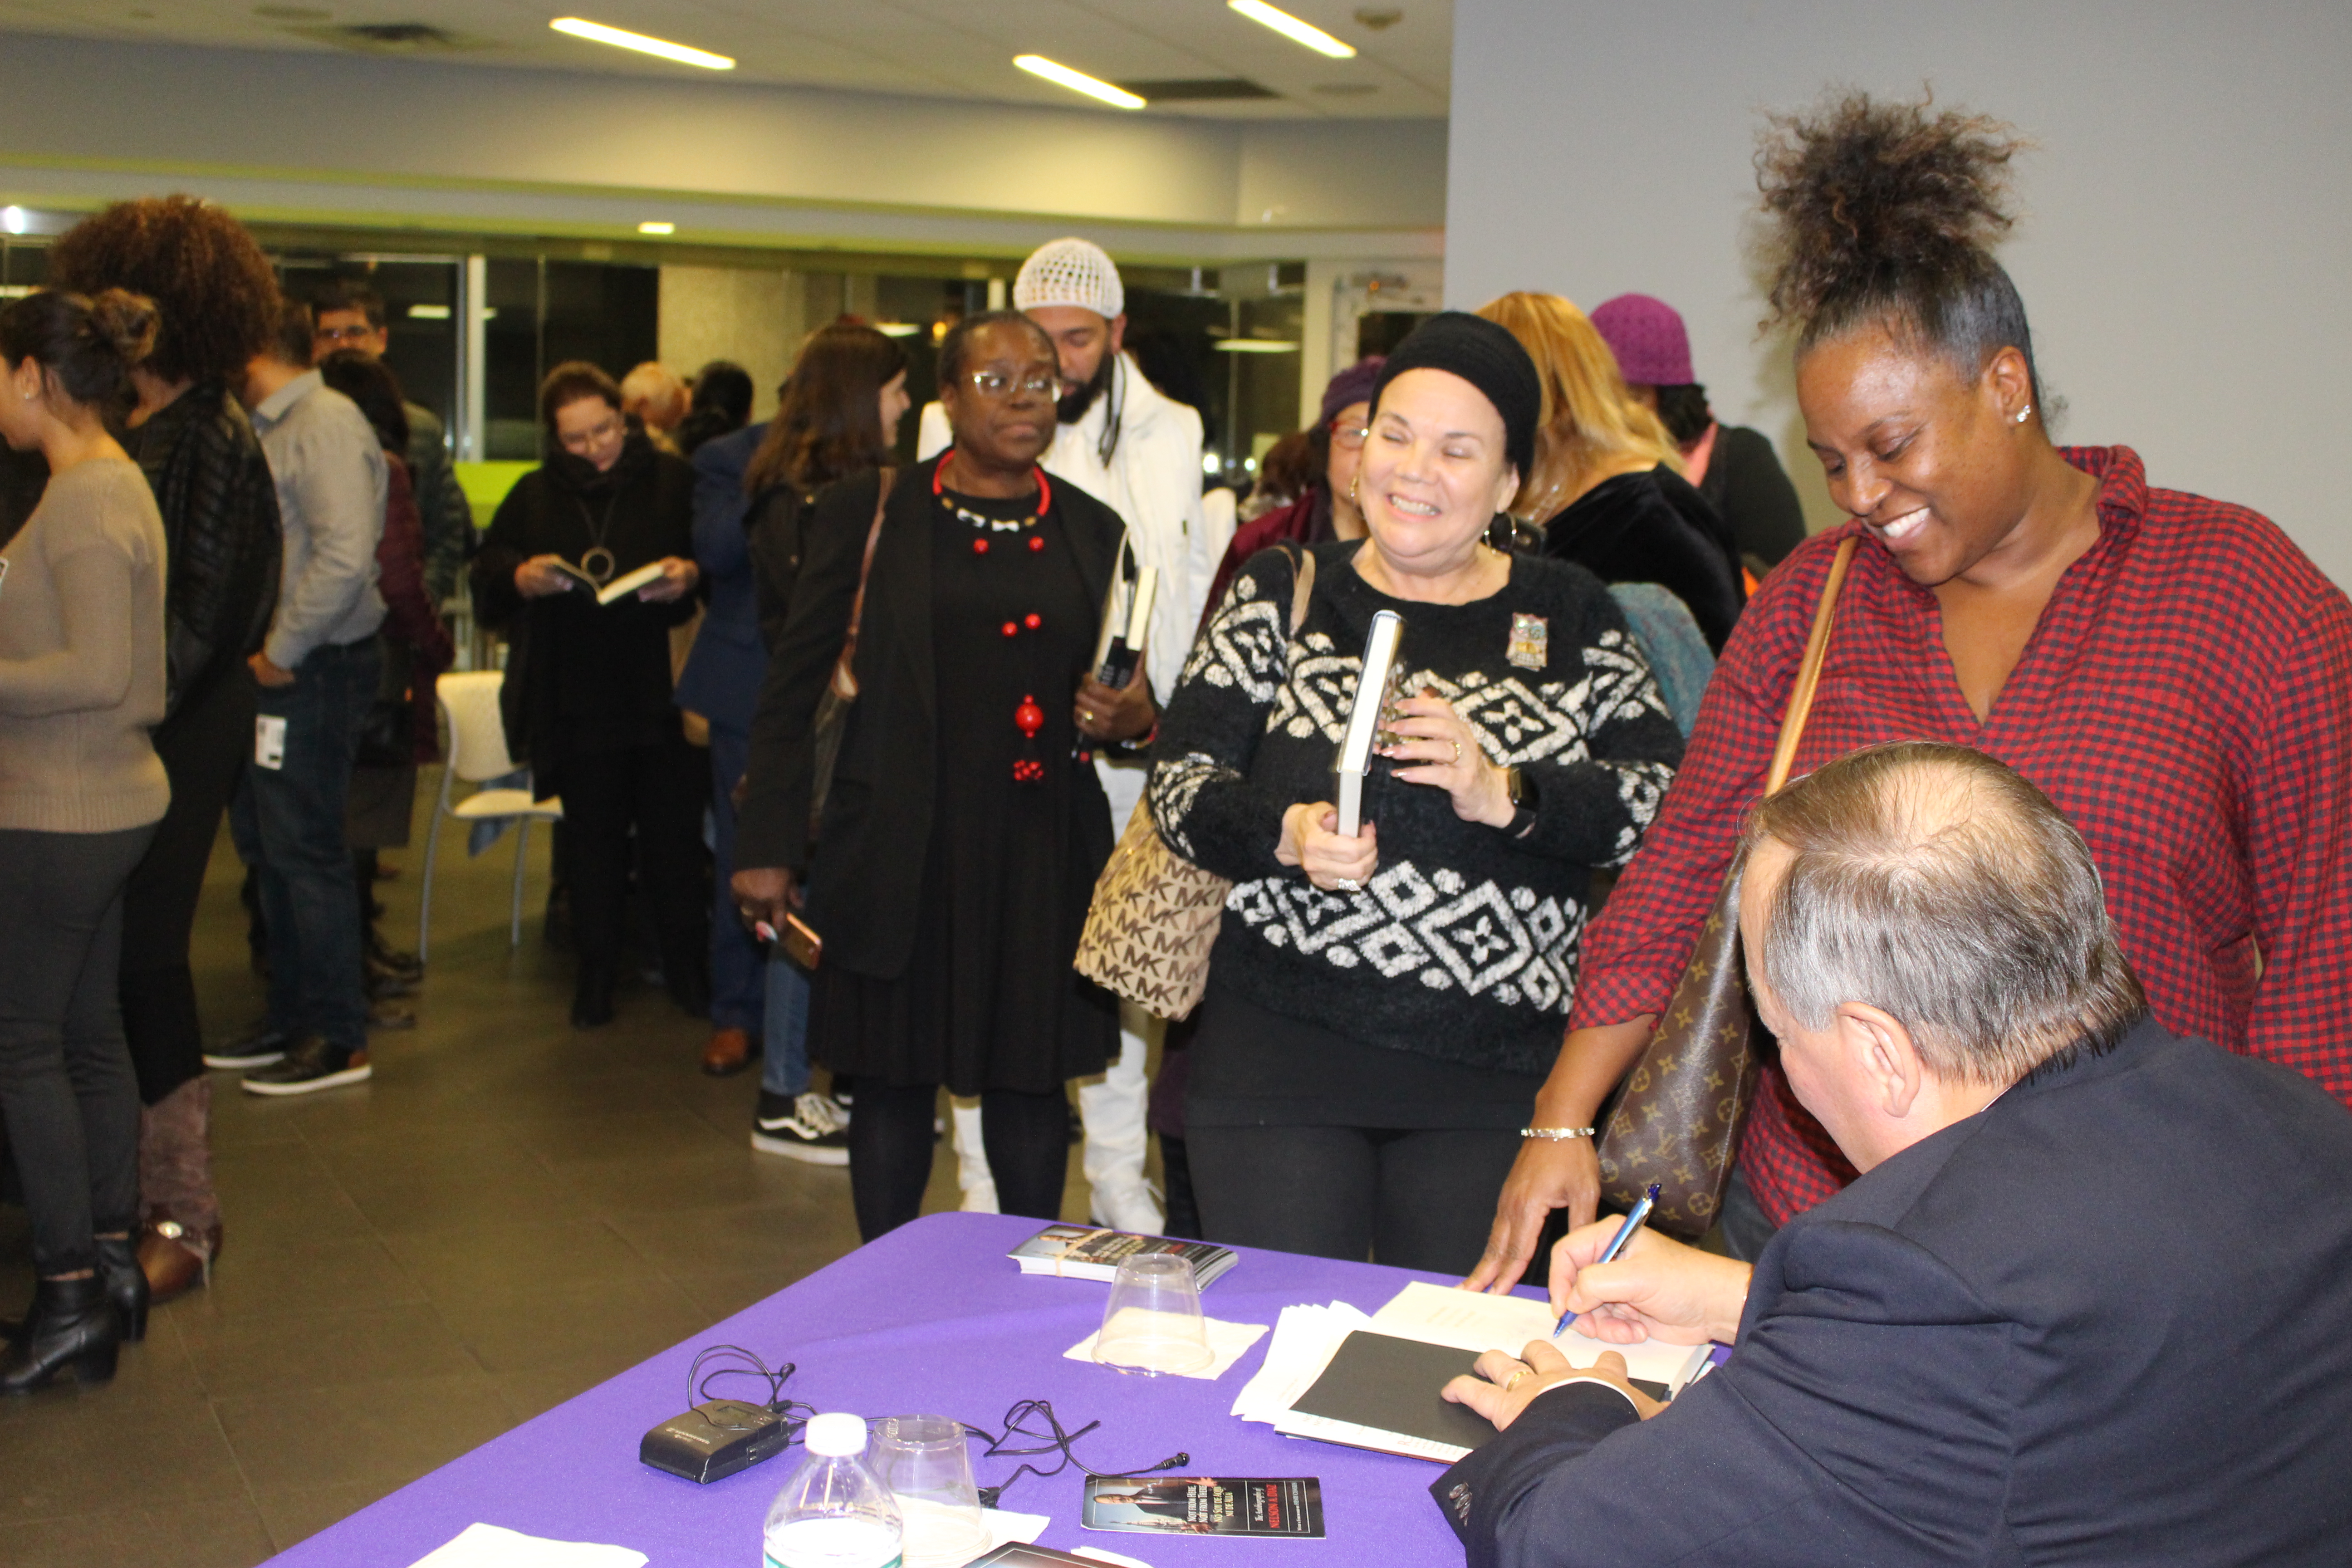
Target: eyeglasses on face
[(1348, 438), (996, 383), (344, 334)]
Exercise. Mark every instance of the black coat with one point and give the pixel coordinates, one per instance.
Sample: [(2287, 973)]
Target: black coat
[(2104, 1322), (1749, 489), (575, 667), (1650, 526), (863, 888)]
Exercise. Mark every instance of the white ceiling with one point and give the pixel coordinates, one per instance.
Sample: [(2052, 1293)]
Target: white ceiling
[(951, 48)]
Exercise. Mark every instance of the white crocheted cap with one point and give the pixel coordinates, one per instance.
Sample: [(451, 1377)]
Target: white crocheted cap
[(1070, 272)]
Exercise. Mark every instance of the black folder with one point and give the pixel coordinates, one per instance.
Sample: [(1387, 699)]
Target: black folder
[(1392, 1385)]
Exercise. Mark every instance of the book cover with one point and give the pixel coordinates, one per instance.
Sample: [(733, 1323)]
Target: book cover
[(1375, 694), (1205, 1505), (619, 587), (1085, 1252)]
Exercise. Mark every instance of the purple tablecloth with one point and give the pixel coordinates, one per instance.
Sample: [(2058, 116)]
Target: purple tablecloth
[(932, 1319)]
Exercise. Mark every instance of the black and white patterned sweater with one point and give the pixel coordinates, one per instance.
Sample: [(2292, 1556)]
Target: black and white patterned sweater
[(1462, 945)]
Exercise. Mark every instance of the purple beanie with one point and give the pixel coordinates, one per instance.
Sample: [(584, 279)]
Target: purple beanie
[(1648, 339), (1353, 384)]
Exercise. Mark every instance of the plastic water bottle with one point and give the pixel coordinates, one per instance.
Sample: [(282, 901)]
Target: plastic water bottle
[(832, 1513)]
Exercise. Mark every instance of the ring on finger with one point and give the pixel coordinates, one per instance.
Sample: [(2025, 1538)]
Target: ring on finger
[(1513, 1381), (1457, 751)]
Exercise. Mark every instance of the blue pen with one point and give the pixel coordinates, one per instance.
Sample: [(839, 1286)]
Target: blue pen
[(1617, 1243)]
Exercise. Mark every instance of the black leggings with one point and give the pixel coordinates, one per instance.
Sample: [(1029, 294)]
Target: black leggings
[(660, 790), (203, 747), (66, 1082), (890, 1145), (1415, 1198)]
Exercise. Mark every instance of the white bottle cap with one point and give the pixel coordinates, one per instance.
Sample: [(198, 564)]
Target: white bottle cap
[(836, 1436)]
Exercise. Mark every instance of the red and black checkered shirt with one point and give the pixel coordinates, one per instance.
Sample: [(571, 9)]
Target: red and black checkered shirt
[(2186, 700)]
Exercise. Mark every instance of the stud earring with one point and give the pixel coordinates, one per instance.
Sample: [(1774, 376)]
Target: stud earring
[(2024, 414)]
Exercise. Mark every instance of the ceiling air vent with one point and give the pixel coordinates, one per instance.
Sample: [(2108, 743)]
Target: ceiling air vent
[(395, 38), (1197, 90)]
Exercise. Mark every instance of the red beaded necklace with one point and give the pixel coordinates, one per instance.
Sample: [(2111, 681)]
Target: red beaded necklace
[(1028, 718)]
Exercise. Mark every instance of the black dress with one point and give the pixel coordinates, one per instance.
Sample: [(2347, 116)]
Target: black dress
[(989, 1000)]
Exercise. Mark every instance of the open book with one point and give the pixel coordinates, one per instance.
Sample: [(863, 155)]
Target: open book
[(619, 587), (1127, 617), (1334, 1374)]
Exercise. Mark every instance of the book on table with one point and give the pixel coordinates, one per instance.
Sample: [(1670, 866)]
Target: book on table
[(620, 587), (1376, 1383), (1088, 1252)]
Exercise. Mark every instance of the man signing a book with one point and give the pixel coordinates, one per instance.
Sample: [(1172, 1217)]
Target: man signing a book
[(2026, 1334)]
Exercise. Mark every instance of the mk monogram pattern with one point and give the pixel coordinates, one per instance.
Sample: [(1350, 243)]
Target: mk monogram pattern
[(1153, 919)]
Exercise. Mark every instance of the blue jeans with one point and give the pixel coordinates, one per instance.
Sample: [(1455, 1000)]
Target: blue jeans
[(784, 1069), (737, 986), (289, 821)]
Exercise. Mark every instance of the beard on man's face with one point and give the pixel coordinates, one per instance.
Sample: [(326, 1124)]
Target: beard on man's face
[(1074, 403)]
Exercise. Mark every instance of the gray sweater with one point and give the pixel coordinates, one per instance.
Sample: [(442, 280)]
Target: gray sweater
[(81, 657)]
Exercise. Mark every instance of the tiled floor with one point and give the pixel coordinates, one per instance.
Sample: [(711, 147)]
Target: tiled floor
[(509, 1213)]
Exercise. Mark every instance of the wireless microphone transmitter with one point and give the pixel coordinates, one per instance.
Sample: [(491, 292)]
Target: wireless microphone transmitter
[(715, 1439)]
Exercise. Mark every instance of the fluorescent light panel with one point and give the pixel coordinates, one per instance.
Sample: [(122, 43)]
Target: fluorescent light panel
[(655, 226), (1291, 27), (621, 39), (1254, 346), (1078, 81)]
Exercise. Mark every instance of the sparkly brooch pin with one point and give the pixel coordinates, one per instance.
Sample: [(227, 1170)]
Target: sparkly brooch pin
[(1530, 642)]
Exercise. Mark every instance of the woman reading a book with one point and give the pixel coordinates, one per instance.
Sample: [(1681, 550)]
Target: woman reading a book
[(962, 827), (2172, 670), (587, 695), (1378, 1006)]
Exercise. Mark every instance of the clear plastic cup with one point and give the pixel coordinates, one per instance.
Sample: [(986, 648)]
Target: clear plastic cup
[(1153, 1323), (924, 1462)]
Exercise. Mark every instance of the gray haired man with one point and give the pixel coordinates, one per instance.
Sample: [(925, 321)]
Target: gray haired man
[(2084, 1304)]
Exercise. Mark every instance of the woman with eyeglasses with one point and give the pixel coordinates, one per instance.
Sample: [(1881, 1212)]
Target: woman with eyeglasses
[(1328, 510), (587, 696), (963, 826)]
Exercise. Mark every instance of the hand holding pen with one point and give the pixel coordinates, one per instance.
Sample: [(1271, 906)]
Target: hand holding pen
[(1626, 1228), (1621, 1283)]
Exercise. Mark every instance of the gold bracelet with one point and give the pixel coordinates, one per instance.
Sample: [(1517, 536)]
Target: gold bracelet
[(1555, 1134)]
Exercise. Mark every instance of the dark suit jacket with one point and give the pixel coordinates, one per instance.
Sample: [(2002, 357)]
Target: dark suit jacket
[(721, 678), (864, 884), (2107, 1321)]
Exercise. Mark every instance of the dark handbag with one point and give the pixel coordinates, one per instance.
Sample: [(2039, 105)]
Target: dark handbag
[(388, 729), (841, 691), (1678, 1120)]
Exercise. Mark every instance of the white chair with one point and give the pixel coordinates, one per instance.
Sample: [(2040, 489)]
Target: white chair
[(477, 753)]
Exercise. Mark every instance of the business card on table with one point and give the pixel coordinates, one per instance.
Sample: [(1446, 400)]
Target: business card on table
[(1206, 1505)]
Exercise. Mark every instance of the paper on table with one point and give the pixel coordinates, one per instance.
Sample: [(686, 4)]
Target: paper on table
[(490, 1546), (1305, 1340), (1466, 1320), (1228, 1340)]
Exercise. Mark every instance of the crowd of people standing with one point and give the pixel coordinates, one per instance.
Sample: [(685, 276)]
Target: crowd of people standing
[(911, 769)]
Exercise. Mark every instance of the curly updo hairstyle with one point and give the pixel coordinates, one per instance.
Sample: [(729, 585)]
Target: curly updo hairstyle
[(85, 346), (213, 288), (1885, 214)]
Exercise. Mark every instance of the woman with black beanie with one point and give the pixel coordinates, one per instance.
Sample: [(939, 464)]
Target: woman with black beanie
[(1379, 1006)]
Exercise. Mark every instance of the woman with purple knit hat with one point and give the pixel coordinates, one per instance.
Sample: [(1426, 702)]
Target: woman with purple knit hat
[(1734, 468), (1327, 510)]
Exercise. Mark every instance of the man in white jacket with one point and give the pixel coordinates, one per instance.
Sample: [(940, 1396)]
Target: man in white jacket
[(1138, 452)]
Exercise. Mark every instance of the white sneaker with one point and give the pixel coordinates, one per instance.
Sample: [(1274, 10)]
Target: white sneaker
[(809, 1128), (1133, 1209)]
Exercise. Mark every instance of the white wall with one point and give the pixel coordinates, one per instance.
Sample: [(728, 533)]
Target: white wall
[(2186, 220)]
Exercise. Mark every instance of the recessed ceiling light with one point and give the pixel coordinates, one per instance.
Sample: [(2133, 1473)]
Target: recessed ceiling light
[(1254, 346), (621, 39), (655, 226), (1291, 27), (1078, 81)]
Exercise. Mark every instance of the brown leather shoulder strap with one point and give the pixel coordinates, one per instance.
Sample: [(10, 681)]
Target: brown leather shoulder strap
[(844, 680), (1809, 672), (1302, 587)]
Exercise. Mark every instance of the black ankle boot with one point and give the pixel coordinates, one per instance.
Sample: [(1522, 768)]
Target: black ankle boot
[(73, 1326), (125, 1282), (591, 998)]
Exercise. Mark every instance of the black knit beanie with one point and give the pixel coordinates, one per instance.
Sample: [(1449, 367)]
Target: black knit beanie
[(1488, 357)]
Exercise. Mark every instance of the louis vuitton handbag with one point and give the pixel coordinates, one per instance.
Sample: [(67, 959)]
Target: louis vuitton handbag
[(1677, 1122), (1155, 914)]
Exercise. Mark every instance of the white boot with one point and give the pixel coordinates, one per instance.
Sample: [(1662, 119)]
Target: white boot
[(972, 1174), (1113, 1107)]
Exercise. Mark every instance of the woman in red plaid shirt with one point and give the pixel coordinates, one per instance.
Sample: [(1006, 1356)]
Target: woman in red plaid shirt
[(2172, 670)]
